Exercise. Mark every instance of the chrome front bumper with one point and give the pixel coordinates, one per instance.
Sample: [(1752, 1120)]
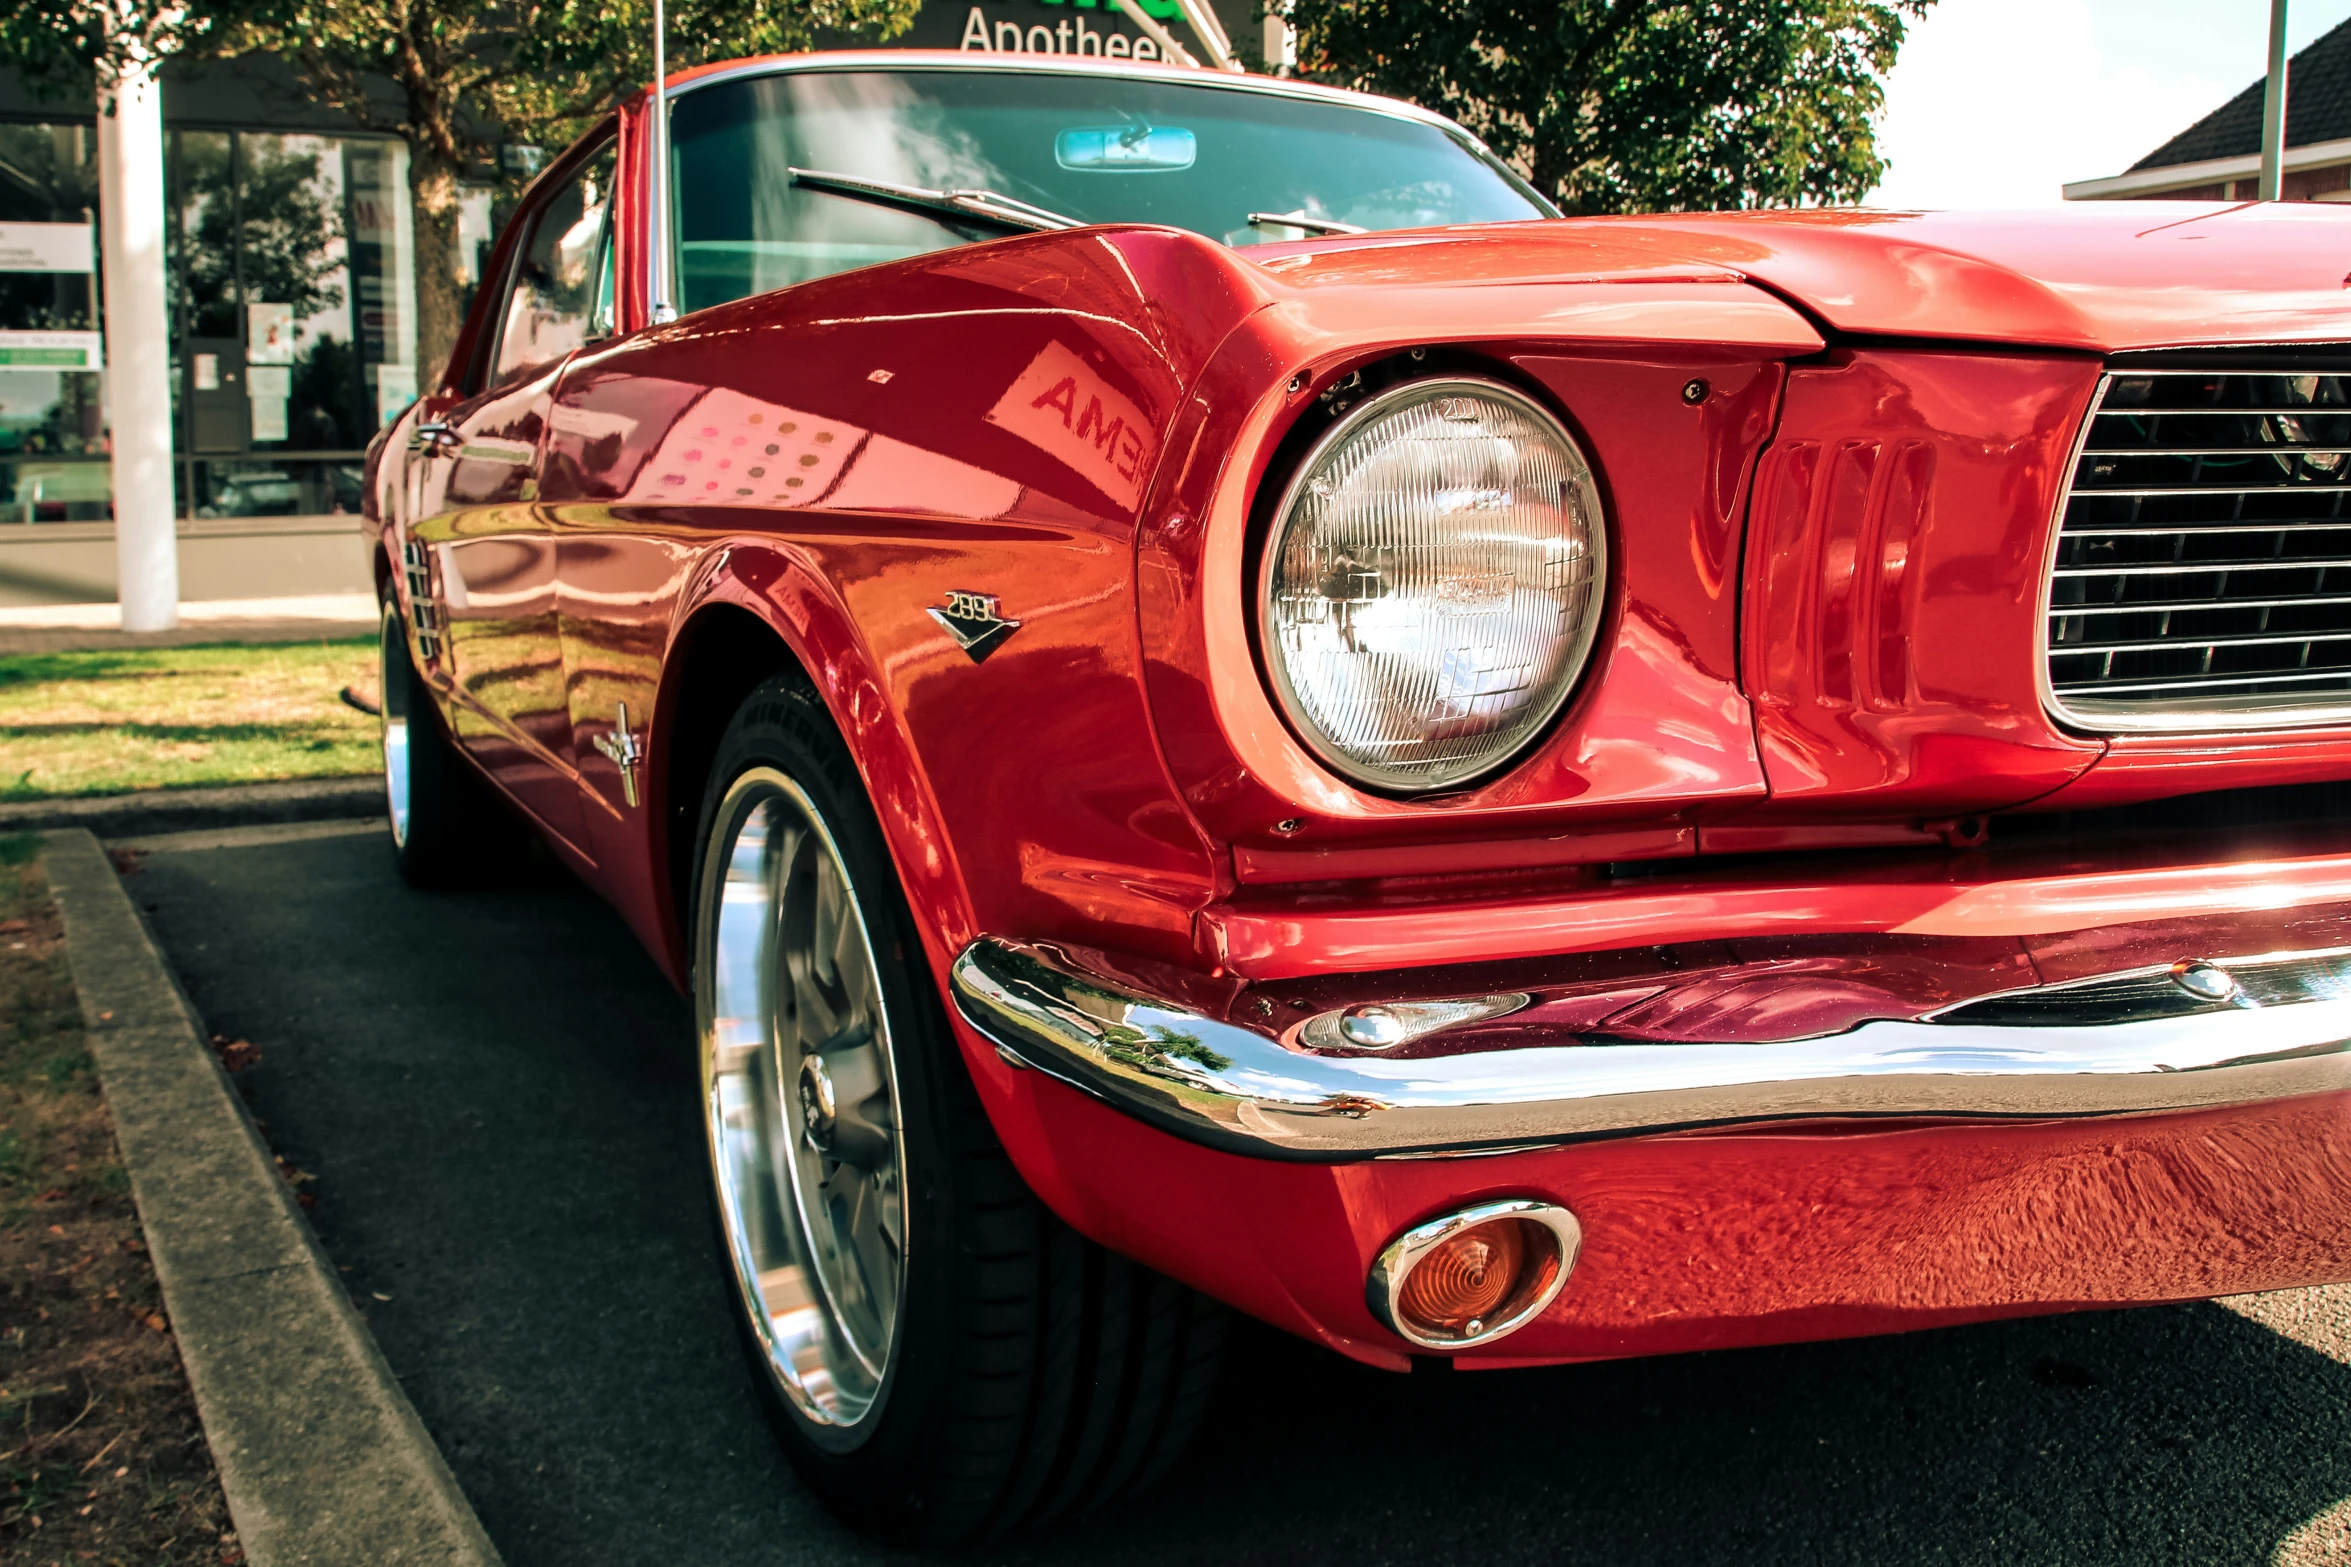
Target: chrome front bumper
[(2124, 1043)]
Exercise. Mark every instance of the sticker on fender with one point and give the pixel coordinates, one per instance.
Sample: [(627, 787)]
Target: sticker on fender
[(1063, 407)]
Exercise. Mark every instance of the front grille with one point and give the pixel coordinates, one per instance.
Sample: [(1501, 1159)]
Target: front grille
[(2202, 575)]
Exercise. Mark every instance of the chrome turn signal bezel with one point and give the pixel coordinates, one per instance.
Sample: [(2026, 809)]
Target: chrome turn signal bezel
[(1397, 1260)]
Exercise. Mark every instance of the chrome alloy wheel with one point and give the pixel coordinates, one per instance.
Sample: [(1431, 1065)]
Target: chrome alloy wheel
[(392, 720), (800, 1099)]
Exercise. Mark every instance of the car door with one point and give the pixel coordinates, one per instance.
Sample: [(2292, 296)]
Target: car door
[(478, 512)]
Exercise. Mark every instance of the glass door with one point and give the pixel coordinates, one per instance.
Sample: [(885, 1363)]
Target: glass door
[(295, 327)]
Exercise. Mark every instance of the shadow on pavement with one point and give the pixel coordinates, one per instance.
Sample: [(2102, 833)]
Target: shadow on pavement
[(494, 1093)]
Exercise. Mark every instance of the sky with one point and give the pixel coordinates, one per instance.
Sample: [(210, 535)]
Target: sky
[(1997, 103)]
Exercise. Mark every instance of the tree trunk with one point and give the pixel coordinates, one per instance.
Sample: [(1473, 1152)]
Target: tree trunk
[(440, 307)]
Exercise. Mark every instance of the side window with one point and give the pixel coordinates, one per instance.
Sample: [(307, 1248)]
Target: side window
[(562, 293)]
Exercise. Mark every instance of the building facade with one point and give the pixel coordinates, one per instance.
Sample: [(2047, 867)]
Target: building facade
[(291, 289), (2219, 157)]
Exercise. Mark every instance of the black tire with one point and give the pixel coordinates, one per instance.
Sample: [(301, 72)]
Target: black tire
[(454, 829), (1032, 1374)]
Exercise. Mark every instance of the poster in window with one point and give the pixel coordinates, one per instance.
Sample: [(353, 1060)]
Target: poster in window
[(269, 334), (269, 386)]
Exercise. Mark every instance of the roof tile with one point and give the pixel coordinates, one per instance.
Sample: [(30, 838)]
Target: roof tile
[(2318, 108)]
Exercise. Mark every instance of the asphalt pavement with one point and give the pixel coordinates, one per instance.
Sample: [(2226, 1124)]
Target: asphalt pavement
[(490, 1096)]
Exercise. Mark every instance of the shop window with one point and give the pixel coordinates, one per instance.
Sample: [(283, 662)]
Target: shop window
[(53, 451), (297, 313), (292, 299)]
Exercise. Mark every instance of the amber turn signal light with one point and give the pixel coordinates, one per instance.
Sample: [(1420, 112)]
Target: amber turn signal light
[(1473, 1276)]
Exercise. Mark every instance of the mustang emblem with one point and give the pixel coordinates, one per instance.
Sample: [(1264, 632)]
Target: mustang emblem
[(971, 619), (624, 750)]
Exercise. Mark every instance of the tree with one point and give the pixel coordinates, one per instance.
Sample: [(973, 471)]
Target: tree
[(1636, 105), (454, 77), (72, 41)]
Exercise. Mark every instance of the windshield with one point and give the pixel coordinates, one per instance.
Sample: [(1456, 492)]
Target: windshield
[(1100, 149)]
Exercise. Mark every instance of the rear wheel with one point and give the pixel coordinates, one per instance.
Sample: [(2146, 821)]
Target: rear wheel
[(940, 1356), (446, 825)]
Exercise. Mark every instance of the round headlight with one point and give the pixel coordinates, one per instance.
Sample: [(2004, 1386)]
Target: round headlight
[(1432, 583)]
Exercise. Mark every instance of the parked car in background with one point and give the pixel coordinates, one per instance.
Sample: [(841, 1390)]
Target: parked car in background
[(1220, 709)]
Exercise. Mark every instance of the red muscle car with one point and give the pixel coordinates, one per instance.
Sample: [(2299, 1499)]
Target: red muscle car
[(1220, 709)]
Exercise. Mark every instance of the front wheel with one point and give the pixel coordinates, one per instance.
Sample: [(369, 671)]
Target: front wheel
[(940, 1356)]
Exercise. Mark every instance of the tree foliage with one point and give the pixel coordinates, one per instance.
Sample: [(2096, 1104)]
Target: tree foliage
[(73, 41), (1637, 105)]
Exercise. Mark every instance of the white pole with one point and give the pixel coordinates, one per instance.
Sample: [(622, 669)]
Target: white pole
[(664, 307), (2273, 108), (138, 349)]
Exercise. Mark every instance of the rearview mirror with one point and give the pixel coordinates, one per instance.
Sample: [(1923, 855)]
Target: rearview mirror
[(1126, 149)]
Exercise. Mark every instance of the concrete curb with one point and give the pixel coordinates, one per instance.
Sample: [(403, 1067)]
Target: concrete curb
[(182, 810), (320, 1453)]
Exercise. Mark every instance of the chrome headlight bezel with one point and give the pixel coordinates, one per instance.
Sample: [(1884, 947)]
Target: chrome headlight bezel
[(1576, 659)]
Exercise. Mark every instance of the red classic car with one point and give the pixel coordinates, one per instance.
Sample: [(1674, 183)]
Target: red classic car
[(1217, 706)]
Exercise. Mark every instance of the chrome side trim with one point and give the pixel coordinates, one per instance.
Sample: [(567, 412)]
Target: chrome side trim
[(1233, 1088), (2269, 979)]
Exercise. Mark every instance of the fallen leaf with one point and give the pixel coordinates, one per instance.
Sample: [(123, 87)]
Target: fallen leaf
[(236, 1054), (154, 1319), (11, 927), (105, 1017)]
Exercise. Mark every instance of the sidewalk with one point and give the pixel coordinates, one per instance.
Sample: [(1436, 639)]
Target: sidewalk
[(320, 1453), (61, 628)]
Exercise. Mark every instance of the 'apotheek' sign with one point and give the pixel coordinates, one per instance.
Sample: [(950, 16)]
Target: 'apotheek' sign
[(52, 351), (46, 247), (1089, 28)]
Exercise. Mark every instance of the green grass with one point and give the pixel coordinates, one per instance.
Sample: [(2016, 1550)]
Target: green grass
[(170, 718)]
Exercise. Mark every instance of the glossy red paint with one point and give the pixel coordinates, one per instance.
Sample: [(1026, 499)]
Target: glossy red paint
[(2098, 276), (1813, 1230), (1821, 640), (1659, 727), (2152, 767), (1895, 561), (1352, 930)]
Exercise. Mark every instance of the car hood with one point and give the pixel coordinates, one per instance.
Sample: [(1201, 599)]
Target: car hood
[(2097, 276)]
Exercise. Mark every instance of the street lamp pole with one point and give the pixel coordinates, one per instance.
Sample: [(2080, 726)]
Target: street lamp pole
[(2273, 108)]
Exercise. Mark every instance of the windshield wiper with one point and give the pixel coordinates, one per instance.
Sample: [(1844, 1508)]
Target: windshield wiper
[(986, 205), (1310, 225)]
